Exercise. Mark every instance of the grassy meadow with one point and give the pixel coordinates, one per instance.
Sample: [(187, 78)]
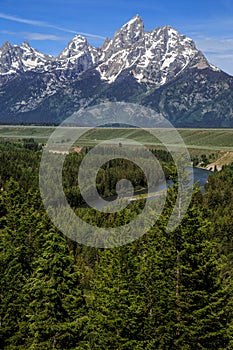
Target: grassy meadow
[(206, 139)]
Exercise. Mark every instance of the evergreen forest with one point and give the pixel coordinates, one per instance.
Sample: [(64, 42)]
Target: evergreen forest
[(162, 292)]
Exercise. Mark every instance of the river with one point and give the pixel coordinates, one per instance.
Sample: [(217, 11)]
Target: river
[(200, 176)]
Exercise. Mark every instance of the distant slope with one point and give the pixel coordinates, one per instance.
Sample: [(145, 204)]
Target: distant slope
[(160, 69)]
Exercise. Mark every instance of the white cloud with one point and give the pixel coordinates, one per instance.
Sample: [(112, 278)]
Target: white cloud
[(21, 20), (46, 25), (223, 62), (218, 51), (39, 36), (35, 36), (8, 32), (214, 45), (209, 26)]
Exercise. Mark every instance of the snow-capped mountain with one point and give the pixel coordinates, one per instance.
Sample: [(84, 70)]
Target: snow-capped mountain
[(20, 59), (79, 54), (161, 69), (154, 57)]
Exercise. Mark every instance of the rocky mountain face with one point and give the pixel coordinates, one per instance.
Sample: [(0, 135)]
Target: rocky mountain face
[(160, 69), (78, 55), (155, 57), (19, 59)]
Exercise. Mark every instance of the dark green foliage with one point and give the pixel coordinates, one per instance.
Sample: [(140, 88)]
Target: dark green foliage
[(56, 312), (163, 291), (19, 242), (218, 206)]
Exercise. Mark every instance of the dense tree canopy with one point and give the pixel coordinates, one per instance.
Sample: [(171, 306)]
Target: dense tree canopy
[(163, 291)]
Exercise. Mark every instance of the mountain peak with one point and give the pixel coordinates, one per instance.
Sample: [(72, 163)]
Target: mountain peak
[(135, 20), (154, 57), (79, 38), (131, 31), (161, 69), (78, 55), (6, 46), (126, 36), (77, 46), (26, 43)]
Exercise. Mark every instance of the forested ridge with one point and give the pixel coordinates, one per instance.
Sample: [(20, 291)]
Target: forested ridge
[(163, 291)]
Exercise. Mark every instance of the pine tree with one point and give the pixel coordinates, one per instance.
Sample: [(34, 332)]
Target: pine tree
[(186, 295), (16, 251), (56, 311), (116, 316)]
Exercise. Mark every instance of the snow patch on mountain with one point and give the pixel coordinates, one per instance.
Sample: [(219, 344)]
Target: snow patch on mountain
[(78, 53), (18, 59), (154, 57)]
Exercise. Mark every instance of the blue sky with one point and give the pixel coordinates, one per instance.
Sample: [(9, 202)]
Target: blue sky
[(49, 25)]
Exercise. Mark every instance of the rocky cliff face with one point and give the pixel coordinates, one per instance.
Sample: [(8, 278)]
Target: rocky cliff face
[(155, 57), (161, 69)]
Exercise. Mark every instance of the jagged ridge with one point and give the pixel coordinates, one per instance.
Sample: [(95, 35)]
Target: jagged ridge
[(135, 65)]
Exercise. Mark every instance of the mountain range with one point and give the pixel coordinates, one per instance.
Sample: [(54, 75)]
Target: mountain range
[(160, 69)]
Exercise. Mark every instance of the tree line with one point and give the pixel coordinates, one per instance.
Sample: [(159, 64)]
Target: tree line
[(163, 291)]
